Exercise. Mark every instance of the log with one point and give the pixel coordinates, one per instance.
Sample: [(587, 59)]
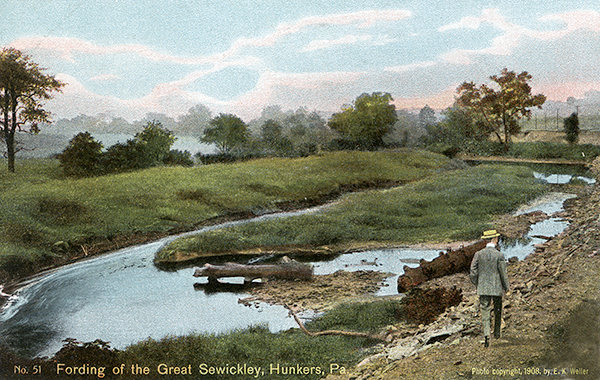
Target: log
[(447, 263), (251, 272)]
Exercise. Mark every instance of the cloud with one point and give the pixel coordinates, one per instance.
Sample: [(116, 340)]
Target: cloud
[(513, 34), (326, 44), (65, 47), (439, 101), (364, 19)]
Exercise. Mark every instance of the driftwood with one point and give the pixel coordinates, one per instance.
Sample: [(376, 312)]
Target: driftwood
[(251, 272), (445, 264), (331, 332)]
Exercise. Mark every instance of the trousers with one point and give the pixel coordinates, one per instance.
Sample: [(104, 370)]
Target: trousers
[(485, 303)]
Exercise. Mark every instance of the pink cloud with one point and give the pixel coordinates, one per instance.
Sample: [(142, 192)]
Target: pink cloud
[(66, 47), (410, 67), (562, 91), (438, 101)]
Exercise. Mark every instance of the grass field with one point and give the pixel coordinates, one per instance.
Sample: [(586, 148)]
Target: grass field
[(45, 217), (454, 205)]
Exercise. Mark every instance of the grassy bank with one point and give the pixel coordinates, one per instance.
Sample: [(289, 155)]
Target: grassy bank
[(46, 218), (450, 206), (287, 354)]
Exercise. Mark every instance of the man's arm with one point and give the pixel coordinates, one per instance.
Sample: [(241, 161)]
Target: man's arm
[(502, 271), (474, 274)]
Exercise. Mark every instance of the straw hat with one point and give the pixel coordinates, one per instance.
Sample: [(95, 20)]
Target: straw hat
[(490, 234)]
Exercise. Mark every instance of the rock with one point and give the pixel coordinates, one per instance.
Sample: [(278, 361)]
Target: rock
[(403, 351)]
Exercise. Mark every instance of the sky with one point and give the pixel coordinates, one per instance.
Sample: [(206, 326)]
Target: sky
[(126, 58)]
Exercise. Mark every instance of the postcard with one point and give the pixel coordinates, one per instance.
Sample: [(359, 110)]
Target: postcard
[(299, 190)]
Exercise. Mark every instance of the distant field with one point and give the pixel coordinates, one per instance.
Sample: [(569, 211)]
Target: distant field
[(45, 217), (552, 123)]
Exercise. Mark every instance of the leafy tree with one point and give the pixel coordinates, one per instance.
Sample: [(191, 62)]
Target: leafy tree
[(123, 157), (227, 132), (176, 157), (154, 143), (148, 148), (82, 157), (195, 121), (367, 121), (271, 133), (498, 111), (23, 88), (572, 128), (427, 117)]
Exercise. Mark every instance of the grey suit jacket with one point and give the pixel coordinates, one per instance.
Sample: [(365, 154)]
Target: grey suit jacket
[(488, 272)]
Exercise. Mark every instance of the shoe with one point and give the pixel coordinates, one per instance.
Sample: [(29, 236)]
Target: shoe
[(486, 343)]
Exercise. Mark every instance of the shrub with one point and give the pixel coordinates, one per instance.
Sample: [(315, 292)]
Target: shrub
[(178, 158), (82, 157)]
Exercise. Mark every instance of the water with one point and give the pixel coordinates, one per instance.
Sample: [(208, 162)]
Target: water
[(550, 204), (123, 298)]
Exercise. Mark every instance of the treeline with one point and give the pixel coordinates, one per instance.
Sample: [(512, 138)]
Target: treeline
[(482, 121), (372, 122), (84, 156)]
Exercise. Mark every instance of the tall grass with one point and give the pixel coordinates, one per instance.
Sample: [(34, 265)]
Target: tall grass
[(549, 150), (451, 206), (258, 347), (44, 215), (252, 347)]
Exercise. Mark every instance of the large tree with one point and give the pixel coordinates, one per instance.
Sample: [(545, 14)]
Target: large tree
[(23, 88), (367, 121), (499, 109), (226, 131)]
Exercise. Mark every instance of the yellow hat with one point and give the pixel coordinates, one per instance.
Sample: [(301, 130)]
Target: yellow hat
[(490, 234)]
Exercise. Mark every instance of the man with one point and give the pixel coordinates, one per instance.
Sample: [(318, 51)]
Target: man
[(488, 273)]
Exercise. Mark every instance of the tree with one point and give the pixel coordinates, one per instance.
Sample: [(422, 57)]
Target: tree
[(23, 88), (154, 143), (148, 148), (367, 121), (226, 131), (271, 133), (572, 128), (82, 157), (427, 117), (194, 122), (500, 110)]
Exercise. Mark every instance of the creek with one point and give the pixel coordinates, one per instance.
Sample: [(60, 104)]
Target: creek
[(123, 298)]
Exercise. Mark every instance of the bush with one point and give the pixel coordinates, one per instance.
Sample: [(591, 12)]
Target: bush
[(151, 147), (82, 157), (178, 158)]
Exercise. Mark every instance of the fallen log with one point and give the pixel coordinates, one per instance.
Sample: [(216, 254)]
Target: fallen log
[(251, 272), (445, 264)]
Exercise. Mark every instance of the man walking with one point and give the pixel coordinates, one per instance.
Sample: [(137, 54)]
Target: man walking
[(488, 273)]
